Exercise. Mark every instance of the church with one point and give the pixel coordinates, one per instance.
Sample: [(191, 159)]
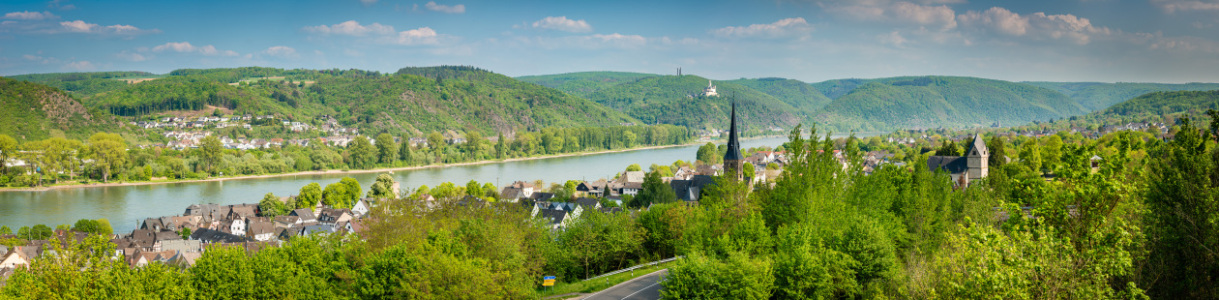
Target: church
[(964, 169)]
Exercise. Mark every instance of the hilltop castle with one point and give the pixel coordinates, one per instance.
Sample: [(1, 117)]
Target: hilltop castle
[(709, 91)]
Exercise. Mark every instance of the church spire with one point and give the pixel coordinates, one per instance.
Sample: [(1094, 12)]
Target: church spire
[(732, 159)]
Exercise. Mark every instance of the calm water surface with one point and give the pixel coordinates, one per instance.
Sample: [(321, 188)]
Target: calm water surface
[(126, 206)]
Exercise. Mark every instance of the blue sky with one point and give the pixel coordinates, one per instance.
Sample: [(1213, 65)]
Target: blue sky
[(809, 40)]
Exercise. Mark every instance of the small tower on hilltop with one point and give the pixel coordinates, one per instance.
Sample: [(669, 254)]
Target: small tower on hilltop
[(732, 159), (977, 158)]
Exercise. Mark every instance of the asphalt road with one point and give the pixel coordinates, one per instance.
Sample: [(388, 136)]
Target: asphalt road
[(644, 288)]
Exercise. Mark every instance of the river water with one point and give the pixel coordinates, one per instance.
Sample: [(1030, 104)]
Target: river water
[(126, 206)]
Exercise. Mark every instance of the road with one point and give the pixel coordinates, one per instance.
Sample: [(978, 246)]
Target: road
[(645, 287)]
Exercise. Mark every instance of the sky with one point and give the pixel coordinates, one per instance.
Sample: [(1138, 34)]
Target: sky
[(810, 40)]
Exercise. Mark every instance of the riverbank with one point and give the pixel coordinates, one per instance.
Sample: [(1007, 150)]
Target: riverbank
[(332, 172)]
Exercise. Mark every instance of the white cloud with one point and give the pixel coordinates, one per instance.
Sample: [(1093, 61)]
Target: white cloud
[(283, 51), (893, 38), (351, 28), (562, 23), (780, 28), (1037, 25), (454, 9), (422, 35), (83, 65), (80, 26), (186, 47), (1172, 6), (904, 12), (29, 15), (131, 56)]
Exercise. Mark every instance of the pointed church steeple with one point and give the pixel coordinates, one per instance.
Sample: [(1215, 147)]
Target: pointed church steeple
[(732, 159)]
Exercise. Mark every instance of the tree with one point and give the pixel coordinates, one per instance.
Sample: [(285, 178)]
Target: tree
[(1030, 156), (41, 232), (500, 147), (633, 168), (8, 150), (185, 233), (271, 207), (334, 194), (361, 154), (211, 150), (1051, 152), (85, 225), (998, 152), (25, 233), (383, 188), (1183, 203), (4, 230), (404, 151), (473, 189), (386, 149), (749, 170), (104, 228), (108, 151), (655, 190), (309, 196), (436, 142), (707, 154), (628, 139)]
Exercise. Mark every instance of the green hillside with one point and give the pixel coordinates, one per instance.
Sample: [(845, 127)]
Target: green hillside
[(1163, 103), (414, 101), (676, 100), (32, 111), (1098, 96), (584, 83), (83, 85), (798, 94), (839, 87), (937, 101)]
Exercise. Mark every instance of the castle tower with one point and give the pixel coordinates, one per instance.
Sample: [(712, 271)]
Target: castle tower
[(732, 159), (977, 157)]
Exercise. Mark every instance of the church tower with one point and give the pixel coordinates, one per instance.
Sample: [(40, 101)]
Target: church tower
[(732, 159), (977, 157)]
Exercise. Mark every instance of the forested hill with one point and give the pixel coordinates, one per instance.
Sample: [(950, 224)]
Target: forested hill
[(1098, 96), (1164, 103), (584, 83), (937, 101), (677, 100), (799, 94), (413, 102), (31, 111)]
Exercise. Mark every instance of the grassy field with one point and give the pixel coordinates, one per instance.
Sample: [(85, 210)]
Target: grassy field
[(594, 285)]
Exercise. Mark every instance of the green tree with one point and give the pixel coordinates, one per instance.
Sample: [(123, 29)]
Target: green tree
[(1051, 151), (404, 151), (85, 225), (500, 147), (383, 188), (473, 189), (361, 154), (210, 151), (270, 206), (387, 150), (737, 277), (749, 170), (1183, 204), (436, 142), (707, 154), (998, 152), (633, 168), (8, 150), (108, 151), (4, 230), (335, 194), (655, 190), (104, 228), (310, 195), (1030, 156)]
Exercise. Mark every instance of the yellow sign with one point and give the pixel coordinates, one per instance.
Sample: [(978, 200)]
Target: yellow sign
[(548, 281)]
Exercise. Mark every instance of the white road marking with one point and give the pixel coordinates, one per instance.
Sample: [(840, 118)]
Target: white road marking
[(640, 290)]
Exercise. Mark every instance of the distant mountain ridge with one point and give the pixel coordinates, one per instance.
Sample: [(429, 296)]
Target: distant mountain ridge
[(1096, 96)]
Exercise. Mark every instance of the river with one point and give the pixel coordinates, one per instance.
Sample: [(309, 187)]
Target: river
[(126, 206)]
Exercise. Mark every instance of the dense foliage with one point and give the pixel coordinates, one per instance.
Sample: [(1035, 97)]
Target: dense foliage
[(1096, 96), (798, 94), (584, 83), (935, 101), (33, 111), (677, 100)]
